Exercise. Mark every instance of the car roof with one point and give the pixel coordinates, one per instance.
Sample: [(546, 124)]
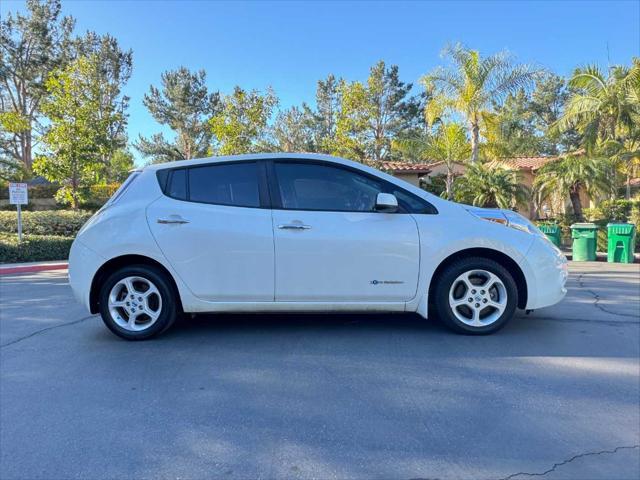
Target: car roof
[(251, 156)]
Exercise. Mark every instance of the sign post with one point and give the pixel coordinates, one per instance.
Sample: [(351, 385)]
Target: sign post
[(18, 195)]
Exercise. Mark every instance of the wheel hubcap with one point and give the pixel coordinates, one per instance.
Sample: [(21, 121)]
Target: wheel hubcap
[(478, 298), (135, 303)]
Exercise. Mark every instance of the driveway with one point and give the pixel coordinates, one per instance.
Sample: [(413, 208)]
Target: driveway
[(555, 394)]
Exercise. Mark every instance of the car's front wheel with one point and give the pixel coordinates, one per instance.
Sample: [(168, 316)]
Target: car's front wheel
[(475, 296), (137, 302)]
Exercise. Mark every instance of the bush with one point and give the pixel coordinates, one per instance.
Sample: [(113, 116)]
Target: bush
[(89, 197), (64, 223), (614, 211), (34, 248)]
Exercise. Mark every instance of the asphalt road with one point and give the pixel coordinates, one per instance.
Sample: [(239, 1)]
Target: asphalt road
[(555, 394)]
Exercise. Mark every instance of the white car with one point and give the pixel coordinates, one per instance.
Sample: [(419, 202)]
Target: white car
[(303, 233)]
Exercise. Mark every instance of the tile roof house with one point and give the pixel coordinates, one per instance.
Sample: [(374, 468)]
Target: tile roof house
[(407, 171), (526, 166), (524, 163)]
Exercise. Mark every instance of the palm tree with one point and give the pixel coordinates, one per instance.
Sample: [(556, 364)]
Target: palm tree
[(569, 175), (602, 107), (449, 144), (605, 109), (490, 186), (473, 84)]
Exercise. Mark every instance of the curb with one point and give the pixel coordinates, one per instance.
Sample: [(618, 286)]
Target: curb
[(32, 268)]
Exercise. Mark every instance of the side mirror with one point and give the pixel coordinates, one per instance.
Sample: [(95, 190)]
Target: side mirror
[(386, 203)]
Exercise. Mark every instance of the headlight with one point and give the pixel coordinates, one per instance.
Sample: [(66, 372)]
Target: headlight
[(507, 218), (516, 220)]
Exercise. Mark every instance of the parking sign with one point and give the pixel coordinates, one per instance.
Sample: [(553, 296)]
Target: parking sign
[(18, 194)]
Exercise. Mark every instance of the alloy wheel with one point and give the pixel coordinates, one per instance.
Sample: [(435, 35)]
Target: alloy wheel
[(135, 303), (478, 298)]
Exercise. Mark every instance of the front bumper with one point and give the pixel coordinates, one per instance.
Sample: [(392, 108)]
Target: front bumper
[(83, 265), (546, 273)]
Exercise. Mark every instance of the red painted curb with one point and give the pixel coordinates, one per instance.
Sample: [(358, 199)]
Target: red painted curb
[(32, 268)]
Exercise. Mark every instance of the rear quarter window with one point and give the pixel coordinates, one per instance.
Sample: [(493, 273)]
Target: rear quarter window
[(123, 188)]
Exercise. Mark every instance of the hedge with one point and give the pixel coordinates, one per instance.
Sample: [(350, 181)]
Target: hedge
[(64, 223), (34, 248)]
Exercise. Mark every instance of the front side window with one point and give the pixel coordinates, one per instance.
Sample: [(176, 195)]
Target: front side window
[(412, 203), (321, 187), (233, 184)]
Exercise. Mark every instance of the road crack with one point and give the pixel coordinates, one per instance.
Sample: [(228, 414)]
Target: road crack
[(596, 301), (565, 462), (42, 330)]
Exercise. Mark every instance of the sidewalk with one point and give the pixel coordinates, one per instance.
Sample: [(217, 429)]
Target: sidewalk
[(31, 267), (600, 256)]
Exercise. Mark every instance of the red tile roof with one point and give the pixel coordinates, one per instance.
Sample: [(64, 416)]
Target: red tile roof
[(525, 163), (406, 167)]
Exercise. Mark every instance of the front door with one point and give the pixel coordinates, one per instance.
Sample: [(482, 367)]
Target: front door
[(330, 244), (211, 228)]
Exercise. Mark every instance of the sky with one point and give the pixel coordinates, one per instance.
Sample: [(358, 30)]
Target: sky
[(291, 45)]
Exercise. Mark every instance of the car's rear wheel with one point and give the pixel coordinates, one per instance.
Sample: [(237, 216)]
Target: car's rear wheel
[(475, 296), (137, 302)]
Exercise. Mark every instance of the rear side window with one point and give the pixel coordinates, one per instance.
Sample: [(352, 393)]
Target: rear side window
[(177, 184), (233, 184)]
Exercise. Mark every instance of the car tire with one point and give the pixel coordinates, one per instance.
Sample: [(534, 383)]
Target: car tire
[(475, 296), (138, 302)]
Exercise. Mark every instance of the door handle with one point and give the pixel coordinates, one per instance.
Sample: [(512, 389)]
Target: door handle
[(173, 221), (294, 226)]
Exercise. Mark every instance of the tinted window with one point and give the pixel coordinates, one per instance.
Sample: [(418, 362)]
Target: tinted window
[(231, 184), (177, 184), (322, 187), (412, 203)]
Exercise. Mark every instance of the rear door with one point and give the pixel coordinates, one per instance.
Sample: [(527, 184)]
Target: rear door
[(214, 226), (330, 243)]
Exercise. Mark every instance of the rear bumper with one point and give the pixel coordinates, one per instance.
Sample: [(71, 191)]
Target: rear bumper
[(546, 271), (83, 265)]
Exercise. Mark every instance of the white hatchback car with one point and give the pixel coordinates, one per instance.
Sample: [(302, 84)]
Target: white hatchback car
[(303, 233)]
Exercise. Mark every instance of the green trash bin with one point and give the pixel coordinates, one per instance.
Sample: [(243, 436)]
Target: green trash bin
[(584, 237), (552, 231), (621, 242)]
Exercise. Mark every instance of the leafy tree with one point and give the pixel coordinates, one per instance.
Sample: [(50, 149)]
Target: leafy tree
[(569, 175), (490, 186), (241, 124), (184, 104), (372, 115), (119, 166), (523, 123), (292, 131), (449, 144), (472, 84), (546, 104), (112, 70), (411, 146), (31, 46), (323, 120), (82, 124), (511, 130)]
